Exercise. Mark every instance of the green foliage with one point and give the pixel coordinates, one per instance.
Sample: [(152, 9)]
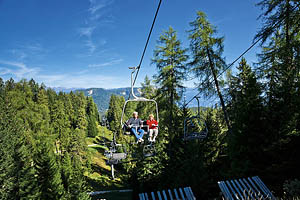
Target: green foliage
[(170, 59), (204, 44), (47, 171), (207, 59), (292, 188), (43, 149), (246, 113), (36, 133), (114, 112)]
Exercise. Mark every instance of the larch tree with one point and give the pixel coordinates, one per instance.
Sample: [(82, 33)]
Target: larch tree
[(170, 60), (207, 61)]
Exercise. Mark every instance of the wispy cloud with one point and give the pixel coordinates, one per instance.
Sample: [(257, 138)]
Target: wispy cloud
[(81, 79), (97, 14), (17, 69), (91, 45), (86, 31), (23, 51), (113, 62)]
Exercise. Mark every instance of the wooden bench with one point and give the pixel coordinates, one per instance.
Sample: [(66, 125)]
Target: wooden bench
[(179, 194), (245, 188)]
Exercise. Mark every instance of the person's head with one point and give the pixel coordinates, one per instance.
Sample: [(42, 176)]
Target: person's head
[(151, 116), (135, 114)]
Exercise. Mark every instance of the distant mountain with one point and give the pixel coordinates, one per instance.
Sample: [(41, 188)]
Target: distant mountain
[(63, 89), (101, 96)]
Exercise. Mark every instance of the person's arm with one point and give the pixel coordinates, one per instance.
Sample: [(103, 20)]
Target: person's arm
[(140, 122), (155, 123), (129, 121)]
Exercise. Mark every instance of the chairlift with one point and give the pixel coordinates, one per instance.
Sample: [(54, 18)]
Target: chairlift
[(116, 153), (134, 98), (149, 150), (193, 127)]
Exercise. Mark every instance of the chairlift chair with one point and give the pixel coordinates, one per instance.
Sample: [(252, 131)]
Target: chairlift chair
[(149, 150), (192, 124), (116, 153), (134, 98)]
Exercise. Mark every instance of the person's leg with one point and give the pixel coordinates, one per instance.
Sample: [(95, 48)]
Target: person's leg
[(150, 134), (155, 134), (141, 131), (133, 130)]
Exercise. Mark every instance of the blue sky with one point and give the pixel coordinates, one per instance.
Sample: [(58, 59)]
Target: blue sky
[(91, 43)]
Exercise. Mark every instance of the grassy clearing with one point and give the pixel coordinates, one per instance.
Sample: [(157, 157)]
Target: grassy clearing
[(99, 178)]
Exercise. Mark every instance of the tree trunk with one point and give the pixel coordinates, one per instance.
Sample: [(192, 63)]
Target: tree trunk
[(218, 89)]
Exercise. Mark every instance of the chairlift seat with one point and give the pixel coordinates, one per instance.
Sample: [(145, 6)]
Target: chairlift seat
[(119, 156), (179, 193), (196, 135), (115, 158), (127, 130), (245, 188), (149, 150)]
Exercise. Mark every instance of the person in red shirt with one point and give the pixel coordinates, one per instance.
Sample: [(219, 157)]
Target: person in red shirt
[(153, 128)]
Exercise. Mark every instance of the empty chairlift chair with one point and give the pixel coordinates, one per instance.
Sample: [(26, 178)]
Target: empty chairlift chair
[(245, 188), (194, 129), (174, 194)]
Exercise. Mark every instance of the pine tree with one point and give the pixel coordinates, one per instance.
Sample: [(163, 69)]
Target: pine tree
[(114, 112), (92, 115), (279, 68), (169, 58), (73, 179), (145, 108), (17, 177), (80, 108), (48, 173), (207, 60), (247, 114)]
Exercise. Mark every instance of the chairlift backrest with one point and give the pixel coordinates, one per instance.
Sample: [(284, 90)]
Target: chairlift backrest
[(190, 123)]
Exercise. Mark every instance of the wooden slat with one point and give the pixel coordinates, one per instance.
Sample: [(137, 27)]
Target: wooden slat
[(187, 193), (192, 194), (176, 194), (146, 196), (142, 196), (250, 189), (259, 181), (170, 194), (231, 189), (153, 195), (159, 196), (164, 194), (258, 192), (237, 190), (240, 188), (225, 190), (181, 193)]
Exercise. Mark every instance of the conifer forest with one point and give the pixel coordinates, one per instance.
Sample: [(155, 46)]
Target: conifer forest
[(53, 145)]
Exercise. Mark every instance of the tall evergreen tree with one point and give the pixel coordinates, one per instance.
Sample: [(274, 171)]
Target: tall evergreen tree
[(48, 173), (247, 115), (207, 60), (17, 176), (92, 115), (114, 112), (170, 59)]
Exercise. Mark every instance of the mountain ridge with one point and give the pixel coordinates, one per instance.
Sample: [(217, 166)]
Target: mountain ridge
[(101, 96)]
